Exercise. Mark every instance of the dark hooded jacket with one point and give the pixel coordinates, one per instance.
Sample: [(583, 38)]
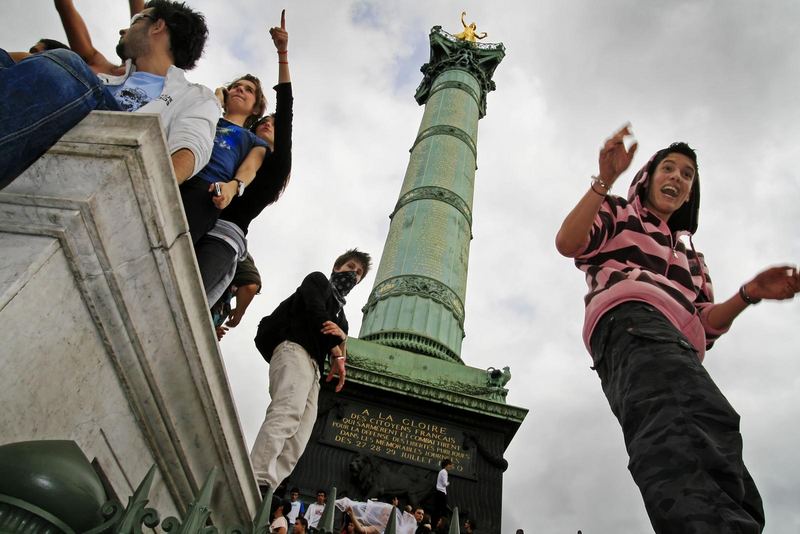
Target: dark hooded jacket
[(632, 255)]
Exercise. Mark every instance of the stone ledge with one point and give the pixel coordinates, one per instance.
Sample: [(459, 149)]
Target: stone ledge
[(107, 339)]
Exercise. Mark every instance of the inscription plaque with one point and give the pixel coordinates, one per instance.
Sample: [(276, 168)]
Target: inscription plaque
[(400, 436)]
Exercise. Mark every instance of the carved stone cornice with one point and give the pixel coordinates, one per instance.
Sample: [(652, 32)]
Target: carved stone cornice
[(446, 129), (449, 392), (433, 192), (421, 286), (447, 52)]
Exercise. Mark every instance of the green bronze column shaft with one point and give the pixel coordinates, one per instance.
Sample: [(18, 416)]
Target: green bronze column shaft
[(417, 303)]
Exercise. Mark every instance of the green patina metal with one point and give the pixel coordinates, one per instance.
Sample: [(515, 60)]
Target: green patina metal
[(418, 285), (48, 486), (447, 52), (417, 303), (71, 506), (435, 193), (441, 129), (199, 512), (416, 375), (455, 522)]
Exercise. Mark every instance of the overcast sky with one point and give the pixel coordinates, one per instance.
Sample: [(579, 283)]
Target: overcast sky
[(722, 75)]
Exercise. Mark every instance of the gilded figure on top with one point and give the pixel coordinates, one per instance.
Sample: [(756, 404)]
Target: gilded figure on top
[(469, 33)]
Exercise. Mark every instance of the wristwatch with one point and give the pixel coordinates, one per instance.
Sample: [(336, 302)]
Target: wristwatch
[(240, 190)]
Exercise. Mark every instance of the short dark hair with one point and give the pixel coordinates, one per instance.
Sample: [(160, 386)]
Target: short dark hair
[(294, 490), (447, 461), (51, 44), (354, 254), (686, 216), (322, 491), (303, 521), (187, 30), (675, 148), (261, 100)]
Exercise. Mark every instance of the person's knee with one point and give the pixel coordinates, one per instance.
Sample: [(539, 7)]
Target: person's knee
[(63, 57), (5, 59)]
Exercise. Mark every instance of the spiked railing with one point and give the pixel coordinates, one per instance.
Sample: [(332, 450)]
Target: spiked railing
[(131, 518)]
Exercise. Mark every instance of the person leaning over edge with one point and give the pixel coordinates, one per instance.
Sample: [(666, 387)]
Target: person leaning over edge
[(295, 339), (650, 317), (61, 89)]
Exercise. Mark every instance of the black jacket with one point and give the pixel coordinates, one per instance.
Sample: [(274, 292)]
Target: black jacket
[(299, 319)]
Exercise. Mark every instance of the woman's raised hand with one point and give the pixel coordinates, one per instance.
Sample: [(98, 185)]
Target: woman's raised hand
[(279, 34), (614, 158)]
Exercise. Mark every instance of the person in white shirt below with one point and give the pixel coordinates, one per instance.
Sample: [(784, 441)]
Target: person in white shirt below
[(440, 508), (298, 507), (314, 512)]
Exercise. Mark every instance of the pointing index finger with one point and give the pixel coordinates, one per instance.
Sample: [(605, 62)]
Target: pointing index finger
[(283, 19)]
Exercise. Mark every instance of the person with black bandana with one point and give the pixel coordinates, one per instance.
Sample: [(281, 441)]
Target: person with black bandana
[(295, 339)]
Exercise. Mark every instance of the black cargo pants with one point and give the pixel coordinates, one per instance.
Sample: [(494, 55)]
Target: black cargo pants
[(681, 433)]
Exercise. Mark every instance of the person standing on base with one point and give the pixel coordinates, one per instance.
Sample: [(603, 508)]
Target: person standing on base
[(295, 339), (298, 507), (440, 508), (315, 509), (650, 317)]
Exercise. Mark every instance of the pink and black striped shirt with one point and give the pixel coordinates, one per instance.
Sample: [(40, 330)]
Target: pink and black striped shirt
[(632, 255)]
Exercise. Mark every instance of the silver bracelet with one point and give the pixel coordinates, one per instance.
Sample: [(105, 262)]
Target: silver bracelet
[(601, 183)]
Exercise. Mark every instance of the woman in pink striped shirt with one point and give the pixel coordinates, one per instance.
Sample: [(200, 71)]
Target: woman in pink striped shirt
[(650, 317)]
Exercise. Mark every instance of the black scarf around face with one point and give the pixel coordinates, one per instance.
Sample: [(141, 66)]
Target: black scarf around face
[(342, 283)]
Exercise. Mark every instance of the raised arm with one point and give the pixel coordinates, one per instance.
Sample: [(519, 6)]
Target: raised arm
[(135, 6), (280, 38), (614, 160), (775, 283), (79, 39)]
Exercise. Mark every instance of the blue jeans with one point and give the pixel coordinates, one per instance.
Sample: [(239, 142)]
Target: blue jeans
[(41, 98)]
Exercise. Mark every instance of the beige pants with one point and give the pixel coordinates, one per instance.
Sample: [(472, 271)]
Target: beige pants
[(293, 388)]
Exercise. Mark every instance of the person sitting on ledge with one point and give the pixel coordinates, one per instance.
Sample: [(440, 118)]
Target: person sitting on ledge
[(42, 45), (235, 158), (223, 245), (295, 339), (60, 89)]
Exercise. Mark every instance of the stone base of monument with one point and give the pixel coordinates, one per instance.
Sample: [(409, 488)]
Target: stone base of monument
[(106, 337), (398, 416)]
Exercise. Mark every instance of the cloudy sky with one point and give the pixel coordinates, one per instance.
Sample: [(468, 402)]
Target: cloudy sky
[(722, 75)]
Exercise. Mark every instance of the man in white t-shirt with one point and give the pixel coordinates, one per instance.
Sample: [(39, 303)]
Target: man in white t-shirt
[(162, 40), (314, 511), (298, 507), (440, 508)]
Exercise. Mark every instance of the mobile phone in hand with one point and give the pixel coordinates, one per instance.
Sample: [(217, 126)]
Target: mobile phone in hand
[(217, 189)]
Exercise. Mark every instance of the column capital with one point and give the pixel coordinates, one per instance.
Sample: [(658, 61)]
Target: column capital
[(449, 52)]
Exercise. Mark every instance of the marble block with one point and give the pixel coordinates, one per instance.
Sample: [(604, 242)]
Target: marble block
[(106, 337)]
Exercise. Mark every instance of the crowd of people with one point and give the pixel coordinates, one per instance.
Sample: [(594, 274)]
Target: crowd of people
[(650, 310), (370, 517)]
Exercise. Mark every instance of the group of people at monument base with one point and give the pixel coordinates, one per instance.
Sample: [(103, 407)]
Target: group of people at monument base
[(650, 310)]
